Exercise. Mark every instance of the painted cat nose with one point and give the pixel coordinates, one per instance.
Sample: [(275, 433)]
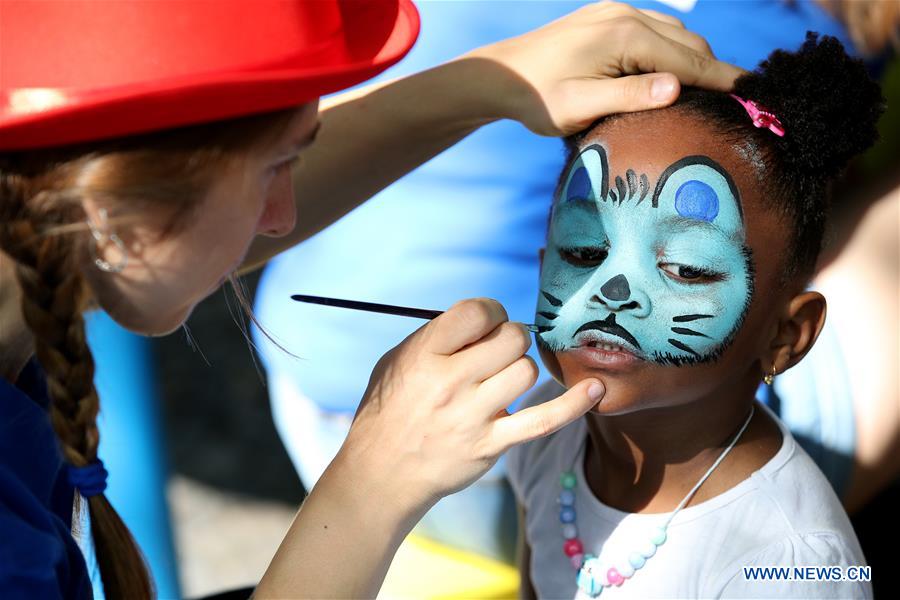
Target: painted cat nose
[(616, 295), (616, 289)]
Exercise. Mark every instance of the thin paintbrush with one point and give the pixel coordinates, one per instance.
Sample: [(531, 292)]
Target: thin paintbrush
[(388, 309)]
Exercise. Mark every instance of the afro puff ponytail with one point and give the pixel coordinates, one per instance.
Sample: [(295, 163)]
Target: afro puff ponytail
[(824, 98)]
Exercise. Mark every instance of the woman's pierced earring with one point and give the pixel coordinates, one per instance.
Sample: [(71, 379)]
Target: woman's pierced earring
[(770, 377), (102, 234)]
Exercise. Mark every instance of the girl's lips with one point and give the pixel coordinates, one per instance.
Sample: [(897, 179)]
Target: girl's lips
[(600, 358), (595, 349)]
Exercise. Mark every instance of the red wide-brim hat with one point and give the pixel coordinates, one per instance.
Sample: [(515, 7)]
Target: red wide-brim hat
[(80, 70)]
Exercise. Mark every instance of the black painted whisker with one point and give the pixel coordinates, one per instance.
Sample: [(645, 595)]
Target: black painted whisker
[(684, 318), (686, 331), (545, 328), (612, 196), (551, 298), (682, 346), (548, 315)]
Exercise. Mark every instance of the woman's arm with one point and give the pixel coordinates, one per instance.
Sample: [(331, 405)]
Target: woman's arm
[(431, 422), (555, 80)]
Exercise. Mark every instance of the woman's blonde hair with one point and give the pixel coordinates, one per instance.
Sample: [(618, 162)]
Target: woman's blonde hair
[(43, 230)]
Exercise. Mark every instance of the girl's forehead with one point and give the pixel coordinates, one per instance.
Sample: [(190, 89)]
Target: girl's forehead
[(653, 140), (650, 142)]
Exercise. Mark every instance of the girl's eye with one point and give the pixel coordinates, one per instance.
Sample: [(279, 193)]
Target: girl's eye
[(584, 257), (688, 274)]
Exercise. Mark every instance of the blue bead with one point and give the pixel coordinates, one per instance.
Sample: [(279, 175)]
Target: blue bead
[(659, 536), (569, 531), (637, 561), (696, 200), (589, 577), (567, 498), (567, 514)]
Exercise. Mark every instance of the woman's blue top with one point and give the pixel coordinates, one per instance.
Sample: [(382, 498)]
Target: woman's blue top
[(39, 558)]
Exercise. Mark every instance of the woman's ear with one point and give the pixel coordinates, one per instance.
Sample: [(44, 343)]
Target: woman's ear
[(798, 328)]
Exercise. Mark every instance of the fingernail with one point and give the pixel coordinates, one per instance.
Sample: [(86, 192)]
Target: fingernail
[(596, 391), (662, 88)]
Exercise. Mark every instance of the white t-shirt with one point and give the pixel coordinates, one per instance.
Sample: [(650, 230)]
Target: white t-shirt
[(783, 515)]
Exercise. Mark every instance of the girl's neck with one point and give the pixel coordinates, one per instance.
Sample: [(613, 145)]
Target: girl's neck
[(645, 462)]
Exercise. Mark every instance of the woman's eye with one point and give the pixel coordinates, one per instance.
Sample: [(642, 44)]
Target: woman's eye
[(281, 166), (691, 274), (584, 257)]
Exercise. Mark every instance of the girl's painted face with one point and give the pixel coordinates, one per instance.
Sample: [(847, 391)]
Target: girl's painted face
[(638, 269)]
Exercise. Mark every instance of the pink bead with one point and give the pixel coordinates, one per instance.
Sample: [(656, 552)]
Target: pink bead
[(573, 547), (576, 560), (614, 577)]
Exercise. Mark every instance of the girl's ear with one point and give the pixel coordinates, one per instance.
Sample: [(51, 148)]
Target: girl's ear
[(798, 329)]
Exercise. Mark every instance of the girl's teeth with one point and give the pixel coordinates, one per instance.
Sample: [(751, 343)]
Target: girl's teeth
[(606, 347)]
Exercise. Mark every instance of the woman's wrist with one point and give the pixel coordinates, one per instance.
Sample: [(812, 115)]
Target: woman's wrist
[(377, 486), (355, 515)]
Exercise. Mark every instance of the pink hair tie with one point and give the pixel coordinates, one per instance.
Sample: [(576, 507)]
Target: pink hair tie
[(761, 117)]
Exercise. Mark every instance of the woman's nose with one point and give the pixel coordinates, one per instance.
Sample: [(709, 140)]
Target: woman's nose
[(617, 295), (280, 213)]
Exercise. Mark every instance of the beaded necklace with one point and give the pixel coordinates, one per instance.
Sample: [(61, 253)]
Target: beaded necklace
[(592, 575)]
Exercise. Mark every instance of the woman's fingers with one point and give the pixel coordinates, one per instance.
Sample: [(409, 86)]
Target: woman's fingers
[(541, 420), (624, 94), (648, 53), (464, 323), (672, 28), (494, 352), (659, 16), (501, 390)]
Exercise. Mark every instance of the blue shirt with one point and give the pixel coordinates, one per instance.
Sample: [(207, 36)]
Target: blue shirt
[(39, 558)]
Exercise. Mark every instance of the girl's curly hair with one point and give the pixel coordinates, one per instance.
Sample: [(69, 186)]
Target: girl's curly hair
[(829, 107)]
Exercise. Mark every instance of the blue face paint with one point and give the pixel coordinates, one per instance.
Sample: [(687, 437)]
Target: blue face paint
[(669, 279), (696, 200)]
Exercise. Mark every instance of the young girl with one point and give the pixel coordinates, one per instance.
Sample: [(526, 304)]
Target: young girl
[(680, 244)]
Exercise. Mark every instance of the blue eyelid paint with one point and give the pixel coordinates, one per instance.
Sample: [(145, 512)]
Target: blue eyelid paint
[(696, 200)]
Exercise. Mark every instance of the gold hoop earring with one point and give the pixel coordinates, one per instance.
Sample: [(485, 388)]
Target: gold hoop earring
[(768, 378), (100, 234)]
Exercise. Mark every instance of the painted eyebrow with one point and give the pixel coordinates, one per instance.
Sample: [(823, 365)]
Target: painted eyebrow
[(576, 204), (682, 224)]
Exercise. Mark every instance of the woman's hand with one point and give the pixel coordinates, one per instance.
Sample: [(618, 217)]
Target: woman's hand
[(434, 419), (602, 59)]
